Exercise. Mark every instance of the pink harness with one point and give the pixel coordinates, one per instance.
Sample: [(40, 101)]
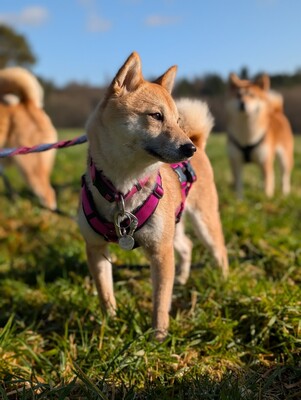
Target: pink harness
[(186, 177), (143, 213)]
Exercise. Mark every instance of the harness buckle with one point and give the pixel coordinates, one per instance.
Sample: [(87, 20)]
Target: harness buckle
[(180, 172), (186, 177), (191, 176), (120, 205), (158, 191)]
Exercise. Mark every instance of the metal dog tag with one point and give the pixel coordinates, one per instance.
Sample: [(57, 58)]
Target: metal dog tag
[(125, 234), (126, 242)]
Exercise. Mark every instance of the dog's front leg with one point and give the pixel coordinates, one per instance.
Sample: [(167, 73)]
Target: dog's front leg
[(163, 272), (236, 168), (101, 271), (269, 177)]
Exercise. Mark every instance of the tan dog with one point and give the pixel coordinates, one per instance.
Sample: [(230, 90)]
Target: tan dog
[(135, 132), (257, 131), (23, 122)]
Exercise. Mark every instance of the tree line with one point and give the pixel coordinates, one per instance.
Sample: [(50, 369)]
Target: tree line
[(70, 106)]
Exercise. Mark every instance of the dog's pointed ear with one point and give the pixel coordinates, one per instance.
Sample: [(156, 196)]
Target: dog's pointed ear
[(263, 81), (236, 83), (129, 76), (167, 80), (234, 80)]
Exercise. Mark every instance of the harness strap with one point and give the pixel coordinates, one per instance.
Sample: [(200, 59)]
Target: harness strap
[(106, 187), (186, 177), (247, 149), (107, 229)]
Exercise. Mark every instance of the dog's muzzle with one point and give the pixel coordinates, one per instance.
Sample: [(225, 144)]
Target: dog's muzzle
[(173, 154), (187, 150)]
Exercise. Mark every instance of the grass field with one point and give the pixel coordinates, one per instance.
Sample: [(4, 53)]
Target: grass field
[(235, 340)]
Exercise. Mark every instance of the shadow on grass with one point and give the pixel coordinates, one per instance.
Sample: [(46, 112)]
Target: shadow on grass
[(276, 383), (49, 261)]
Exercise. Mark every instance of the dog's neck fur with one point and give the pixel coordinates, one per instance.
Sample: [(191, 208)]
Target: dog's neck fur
[(123, 173), (247, 129), (123, 169)]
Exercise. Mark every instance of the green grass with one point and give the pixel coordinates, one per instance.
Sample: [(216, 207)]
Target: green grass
[(235, 340)]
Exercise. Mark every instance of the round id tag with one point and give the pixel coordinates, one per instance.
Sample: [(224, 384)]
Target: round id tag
[(126, 242)]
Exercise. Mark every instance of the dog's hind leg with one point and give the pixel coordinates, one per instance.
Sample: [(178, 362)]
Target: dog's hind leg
[(203, 209), (269, 176), (285, 156), (209, 231), (183, 247), (101, 270)]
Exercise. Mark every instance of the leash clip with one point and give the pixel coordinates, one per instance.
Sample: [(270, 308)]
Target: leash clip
[(120, 204), (125, 225)]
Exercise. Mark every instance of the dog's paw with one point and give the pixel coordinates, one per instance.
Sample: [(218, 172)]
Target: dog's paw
[(109, 310), (160, 335), (181, 279)]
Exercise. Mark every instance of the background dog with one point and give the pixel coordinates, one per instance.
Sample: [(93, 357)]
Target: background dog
[(23, 122), (257, 131), (134, 134)]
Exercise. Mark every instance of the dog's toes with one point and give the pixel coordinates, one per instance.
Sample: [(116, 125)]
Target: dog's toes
[(108, 310), (110, 313), (181, 279), (160, 335)]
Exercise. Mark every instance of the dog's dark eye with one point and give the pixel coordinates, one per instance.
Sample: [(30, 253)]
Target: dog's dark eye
[(158, 116)]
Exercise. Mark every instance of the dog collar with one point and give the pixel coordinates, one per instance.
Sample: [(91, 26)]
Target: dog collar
[(106, 188)]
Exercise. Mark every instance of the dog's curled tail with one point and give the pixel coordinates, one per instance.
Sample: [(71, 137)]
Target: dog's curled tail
[(19, 85), (195, 119), (276, 100)]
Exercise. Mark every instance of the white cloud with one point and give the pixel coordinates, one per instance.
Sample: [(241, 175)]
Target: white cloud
[(95, 23), (98, 24), (30, 16), (159, 20)]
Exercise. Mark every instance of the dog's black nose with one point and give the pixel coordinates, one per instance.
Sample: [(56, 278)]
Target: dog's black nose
[(242, 106), (187, 150)]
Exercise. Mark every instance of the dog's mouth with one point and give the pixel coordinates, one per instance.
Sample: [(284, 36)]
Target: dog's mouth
[(155, 154), (183, 152)]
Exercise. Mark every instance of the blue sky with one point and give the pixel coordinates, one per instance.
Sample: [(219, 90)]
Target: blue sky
[(88, 40)]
